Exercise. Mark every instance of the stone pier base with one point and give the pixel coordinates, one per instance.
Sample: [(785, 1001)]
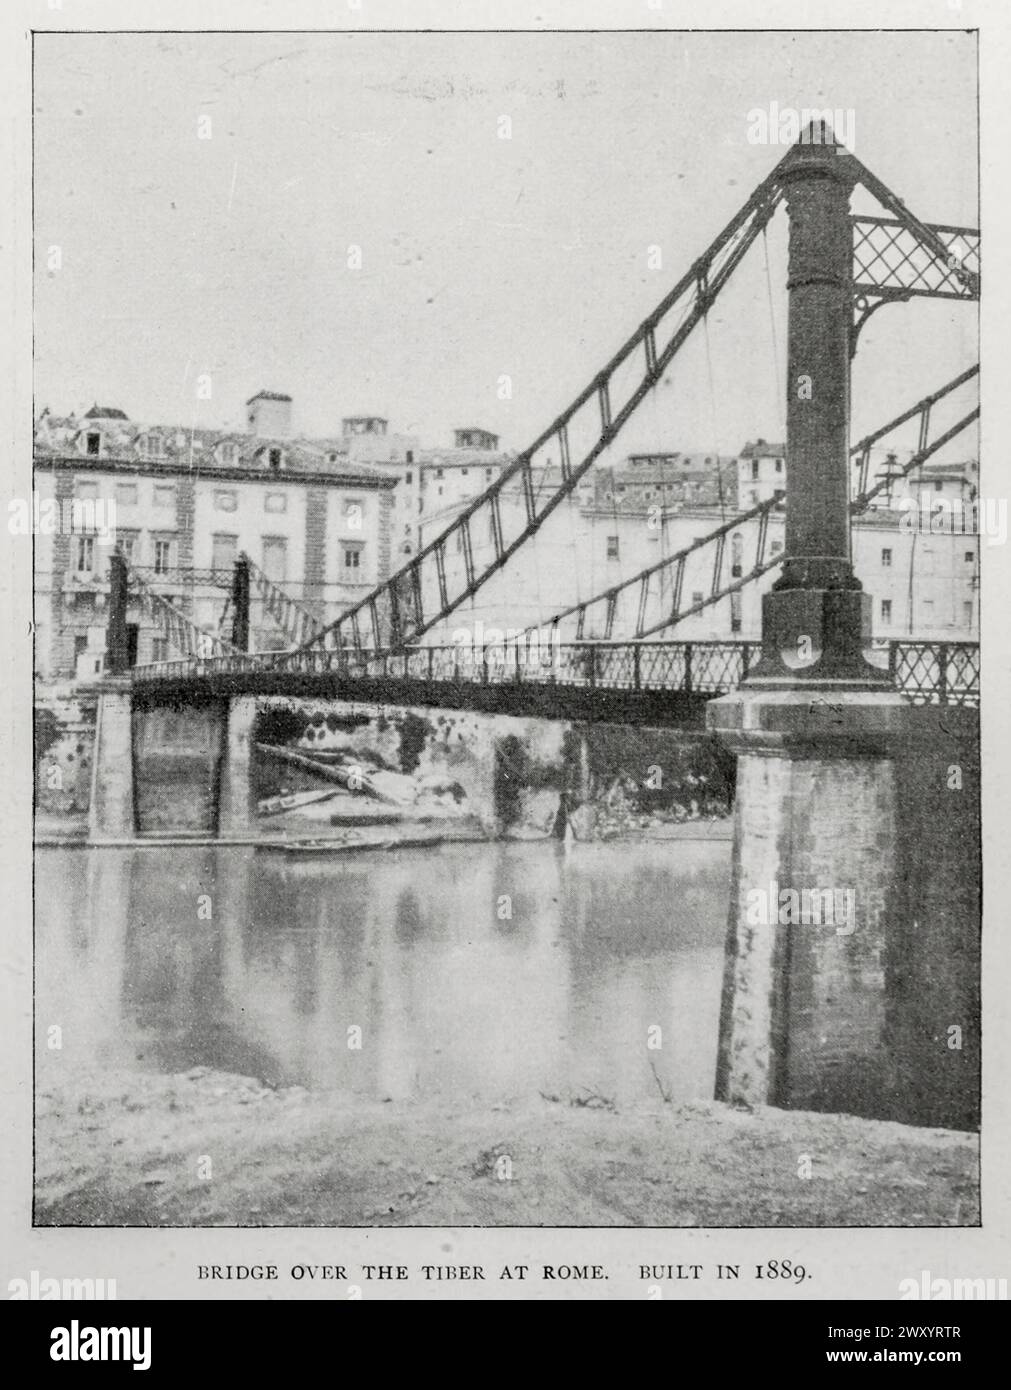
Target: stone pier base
[(237, 815), (111, 813), (852, 960)]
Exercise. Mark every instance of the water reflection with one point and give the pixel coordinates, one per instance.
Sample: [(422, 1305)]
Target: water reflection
[(477, 971)]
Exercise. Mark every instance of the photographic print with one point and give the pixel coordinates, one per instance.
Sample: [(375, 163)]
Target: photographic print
[(507, 514)]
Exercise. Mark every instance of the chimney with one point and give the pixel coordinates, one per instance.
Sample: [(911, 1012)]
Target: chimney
[(268, 414)]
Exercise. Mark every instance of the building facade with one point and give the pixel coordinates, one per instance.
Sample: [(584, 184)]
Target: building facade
[(625, 518), (182, 504)]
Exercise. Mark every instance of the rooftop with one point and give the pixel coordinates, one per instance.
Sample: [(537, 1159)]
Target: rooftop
[(761, 448), (174, 449)]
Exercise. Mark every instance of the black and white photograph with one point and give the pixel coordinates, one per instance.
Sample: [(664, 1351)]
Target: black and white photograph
[(505, 526)]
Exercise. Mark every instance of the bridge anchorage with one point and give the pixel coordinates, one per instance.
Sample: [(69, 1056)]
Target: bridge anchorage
[(843, 751)]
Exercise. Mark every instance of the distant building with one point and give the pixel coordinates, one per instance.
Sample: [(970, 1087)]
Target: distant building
[(186, 503), (448, 479), (761, 472), (269, 413), (474, 438), (623, 519)]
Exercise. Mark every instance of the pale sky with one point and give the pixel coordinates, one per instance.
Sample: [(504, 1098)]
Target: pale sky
[(481, 256)]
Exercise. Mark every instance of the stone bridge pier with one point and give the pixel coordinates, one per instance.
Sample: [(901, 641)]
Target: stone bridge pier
[(852, 960), (171, 769)]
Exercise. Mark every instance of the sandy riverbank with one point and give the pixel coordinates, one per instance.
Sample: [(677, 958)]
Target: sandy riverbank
[(130, 1149)]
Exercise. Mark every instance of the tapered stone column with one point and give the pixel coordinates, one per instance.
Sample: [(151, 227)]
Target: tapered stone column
[(816, 621)]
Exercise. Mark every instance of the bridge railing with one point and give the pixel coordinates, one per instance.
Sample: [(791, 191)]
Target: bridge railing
[(929, 672)]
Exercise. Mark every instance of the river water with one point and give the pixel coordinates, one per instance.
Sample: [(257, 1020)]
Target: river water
[(482, 971)]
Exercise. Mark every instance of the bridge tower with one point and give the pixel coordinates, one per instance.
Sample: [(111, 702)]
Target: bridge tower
[(822, 1014)]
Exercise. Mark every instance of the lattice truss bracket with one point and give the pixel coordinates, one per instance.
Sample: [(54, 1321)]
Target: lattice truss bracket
[(897, 259)]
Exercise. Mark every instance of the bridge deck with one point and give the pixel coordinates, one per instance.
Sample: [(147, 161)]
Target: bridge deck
[(625, 682)]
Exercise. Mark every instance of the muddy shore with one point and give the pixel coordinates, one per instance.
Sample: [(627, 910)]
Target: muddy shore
[(212, 1148)]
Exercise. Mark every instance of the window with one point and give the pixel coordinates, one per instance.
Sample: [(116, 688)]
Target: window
[(409, 458), (970, 557), (612, 547), (351, 557), (93, 444), (85, 554), (127, 543), (86, 489), (735, 612), (754, 470), (886, 559), (275, 502), (224, 550), (275, 458), (489, 473), (408, 477), (775, 547), (229, 452), (275, 558), (886, 610), (753, 496), (967, 612), (162, 556), (939, 485), (159, 649), (928, 612), (226, 500), (779, 465), (126, 494), (164, 496), (438, 472), (736, 552), (696, 598), (464, 472), (152, 446)]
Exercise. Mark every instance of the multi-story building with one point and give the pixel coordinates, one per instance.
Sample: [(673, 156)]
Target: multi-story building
[(184, 504), (761, 472), (622, 520), (431, 483), (367, 439), (450, 478)]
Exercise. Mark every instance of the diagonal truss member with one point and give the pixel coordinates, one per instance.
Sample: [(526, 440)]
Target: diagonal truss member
[(184, 634), (295, 621), (894, 257), (638, 586)]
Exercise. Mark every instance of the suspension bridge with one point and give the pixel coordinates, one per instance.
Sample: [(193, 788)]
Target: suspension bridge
[(616, 653), (857, 763)]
